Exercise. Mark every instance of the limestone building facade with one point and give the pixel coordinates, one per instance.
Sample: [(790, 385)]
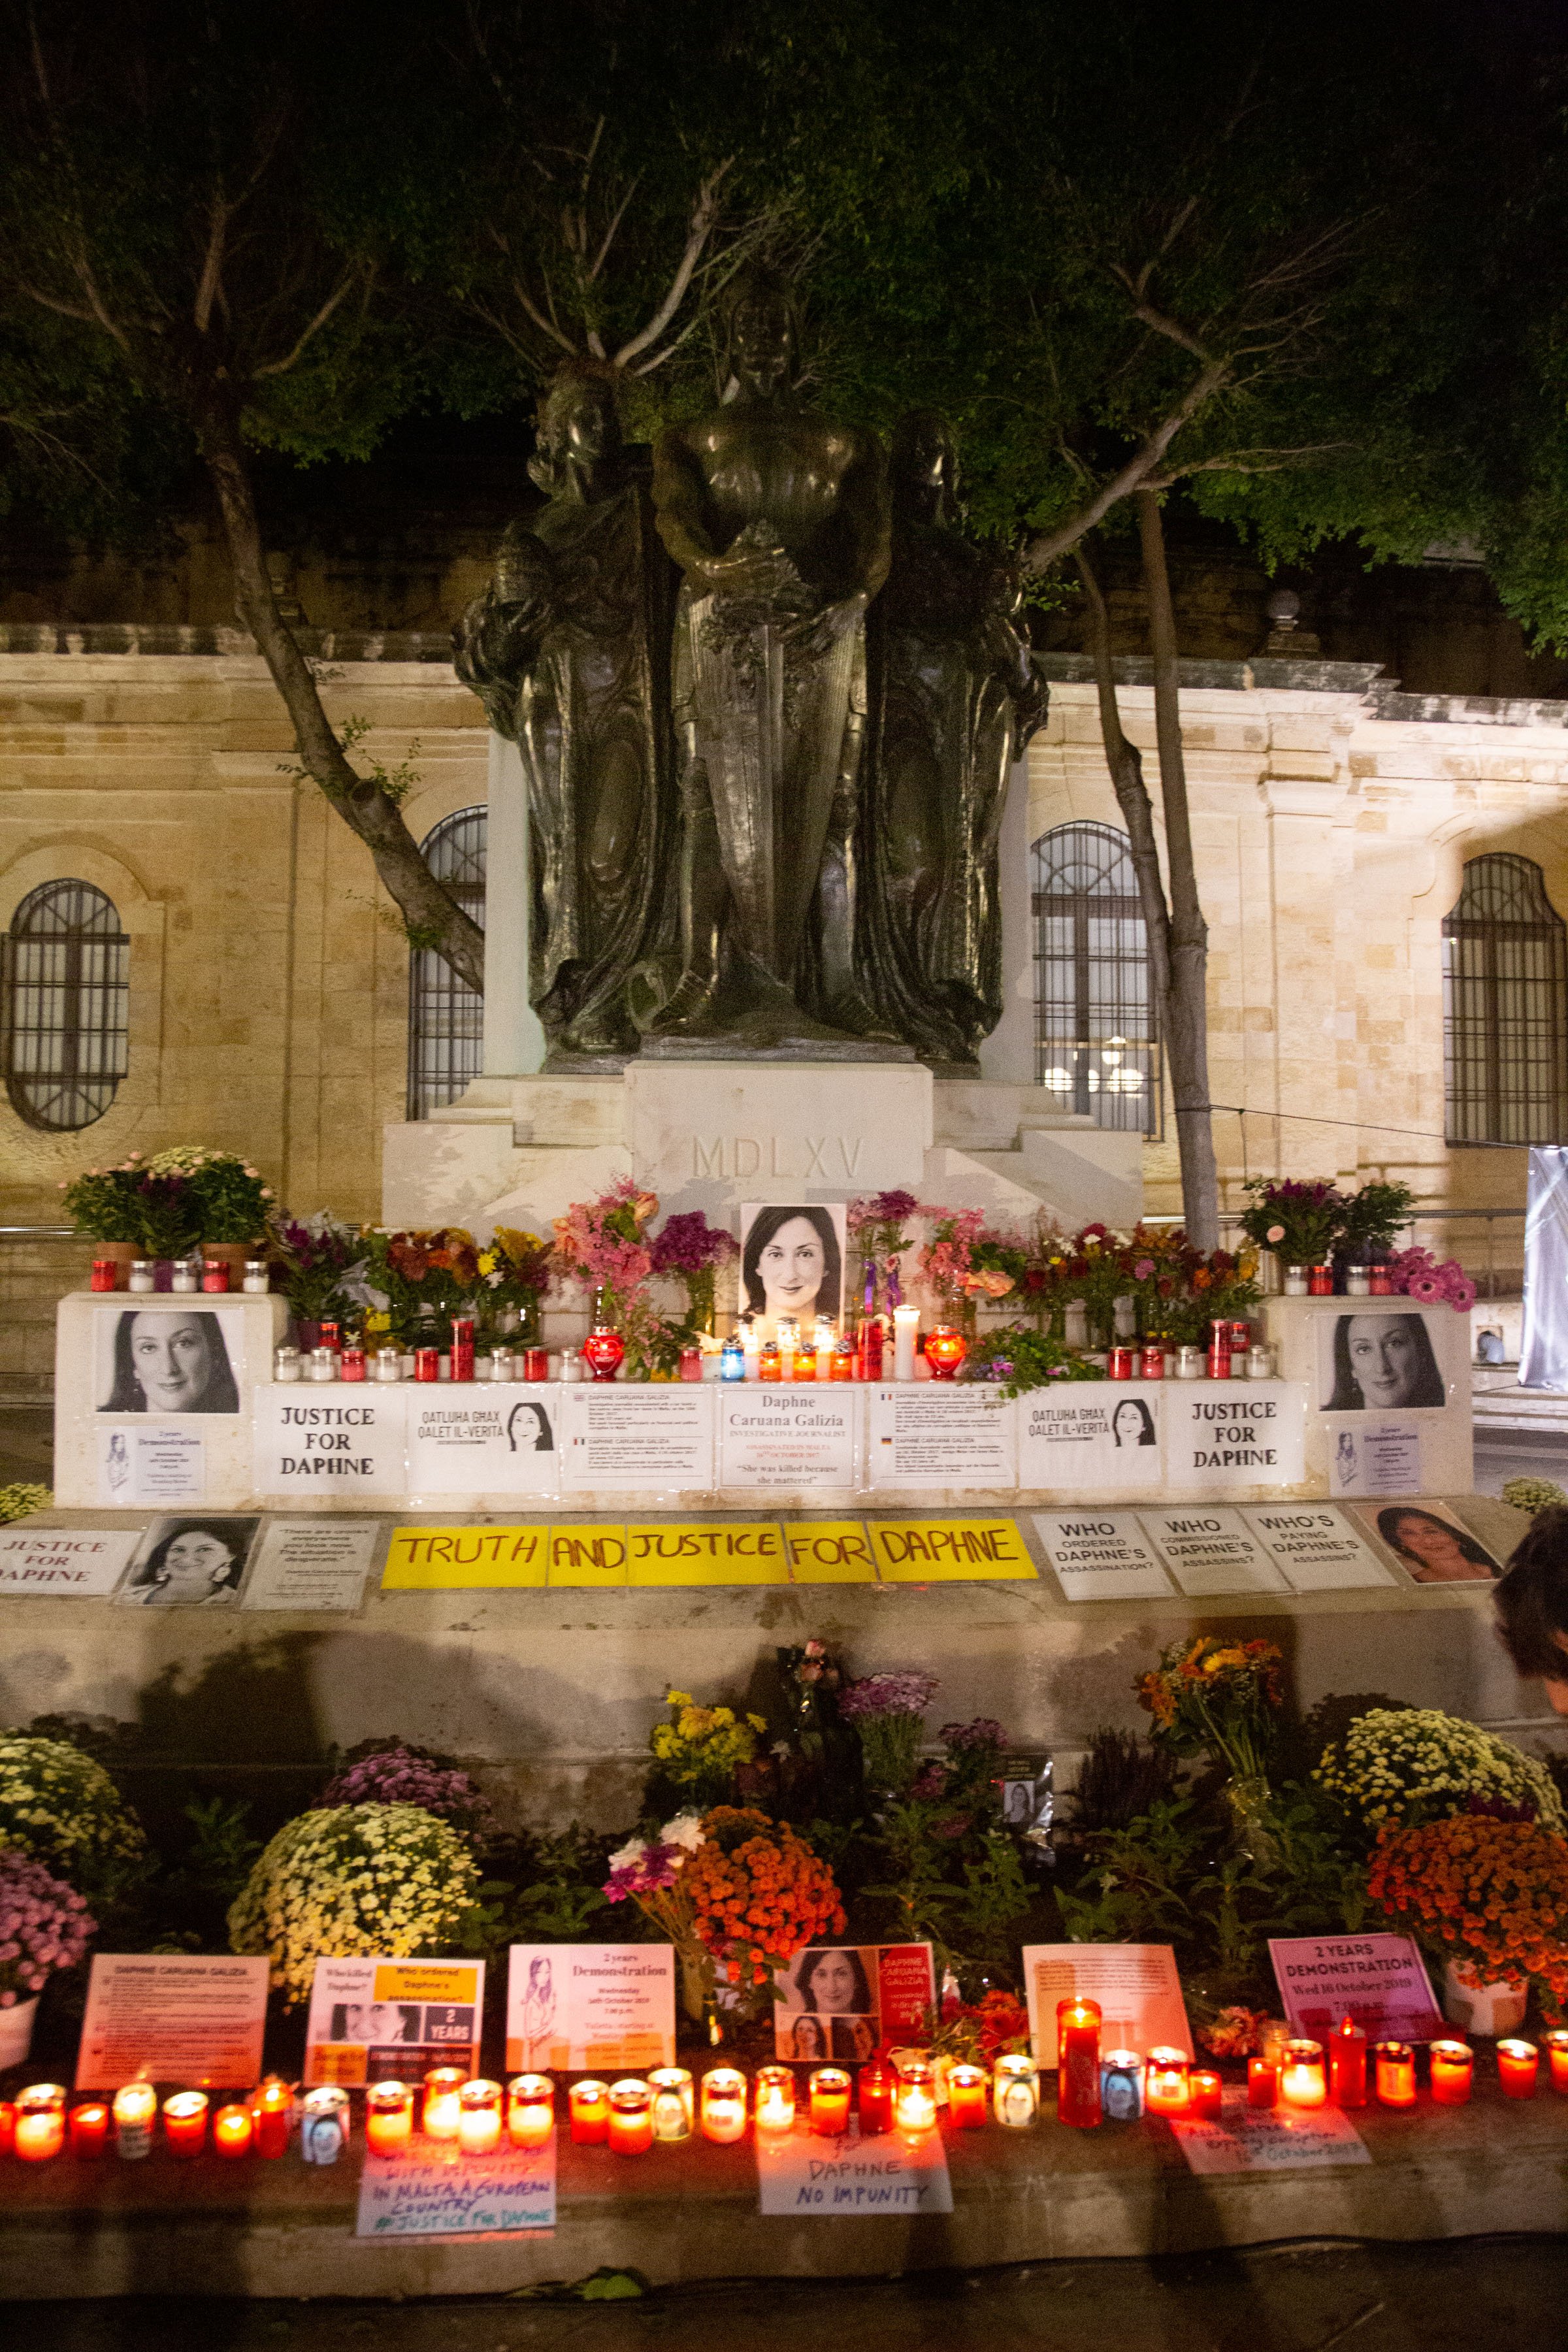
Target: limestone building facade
[(263, 985)]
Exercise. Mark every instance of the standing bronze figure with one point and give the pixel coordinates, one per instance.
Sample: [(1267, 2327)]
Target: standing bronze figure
[(953, 701), (778, 519), (569, 650)]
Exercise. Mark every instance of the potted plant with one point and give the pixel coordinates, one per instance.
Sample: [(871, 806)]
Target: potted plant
[(1371, 1222), (1487, 1897), (514, 1274), (315, 1259), (133, 1212), (1299, 1223), (693, 1251), (43, 1929), (231, 1203), (58, 1806)]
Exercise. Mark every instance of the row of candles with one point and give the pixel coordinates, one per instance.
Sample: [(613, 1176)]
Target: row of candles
[(473, 2115)]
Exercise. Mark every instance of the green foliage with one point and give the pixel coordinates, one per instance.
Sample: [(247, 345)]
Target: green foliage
[(1534, 1495), (21, 1499), (1037, 1359), (60, 1806)]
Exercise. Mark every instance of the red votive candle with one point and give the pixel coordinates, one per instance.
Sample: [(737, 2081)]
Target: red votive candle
[(875, 2098), (1077, 2061), (88, 2128), (1395, 2064), (1517, 2062), (7, 2125), (965, 2096), (1165, 2083), (1555, 2045), (829, 2102), (589, 2105), (1206, 2094), (186, 2123), (1453, 2071), (1347, 2065), (1262, 2083), (233, 2132), (272, 2104)]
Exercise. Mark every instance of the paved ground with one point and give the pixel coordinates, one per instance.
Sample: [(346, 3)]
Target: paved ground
[(1496, 2295), (27, 1444)]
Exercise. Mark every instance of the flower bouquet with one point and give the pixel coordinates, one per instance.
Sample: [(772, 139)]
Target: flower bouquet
[(1408, 1765), (889, 1713), (59, 1806), (1221, 1699), (692, 1250), (393, 1774), (421, 1278), (515, 1272), (1299, 1223), (1021, 1358), (231, 1202), (1417, 1273), (317, 1258), (1489, 1898), (603, 1245), (157, 1216), (353, 1879), (874, 1223), (758, 1897), (650, 1872), (44, 1929), (700, 1752)]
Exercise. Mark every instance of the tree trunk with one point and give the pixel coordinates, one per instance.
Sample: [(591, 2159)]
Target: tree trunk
[(431, 918), (1187, 1029)]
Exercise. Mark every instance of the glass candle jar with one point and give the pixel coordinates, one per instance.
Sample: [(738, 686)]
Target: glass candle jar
[(388, 2118), (724, 2104), (478, 2117), (1321, 1282), (233, 2132), (1262, 2083), (1015, 2091), (829, 2102), (1381, 1282), (1206, 2094), (427, 1364), (1358, 1282), (186, 2123), (287, 1364), (1165, 2082), (874, 2098), (186, 1276), (1120, 2086), (1260, 1361), (88, 2128), (1302, 2078), (965, 2096), (258, 1278), (1189, 1365), (1394, 2064), (389, 1364), (733, 1361), (1296, 1280), (1272, 2036), (588, 2106), (1555, 2044), (1517, 2065), (215, 1274), (105, 1274), (443, 2110), (1453, 2071), (773, 2099), (324, 2125), (770, 1361), (497, 1364), (40, 2131), (272, 2104), (142, 1276), (323, 1363), (1152, 1360), (604, 1353), (945, 1351), (1077, 2062), (906, 1330), (674, 2103), (914, 2096), (631, 2116), (1347, 2065), (530, 2110)]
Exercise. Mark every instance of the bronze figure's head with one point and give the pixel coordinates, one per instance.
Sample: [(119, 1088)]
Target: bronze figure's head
[(924, 466), (761, 333), (579, 431)]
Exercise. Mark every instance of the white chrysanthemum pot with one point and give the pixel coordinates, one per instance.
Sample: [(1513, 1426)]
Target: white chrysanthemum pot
[(16, 2031), (1487, 2009)]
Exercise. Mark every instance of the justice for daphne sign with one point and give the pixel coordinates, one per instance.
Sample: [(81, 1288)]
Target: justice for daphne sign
[(337, 1441), (1236, 1435)]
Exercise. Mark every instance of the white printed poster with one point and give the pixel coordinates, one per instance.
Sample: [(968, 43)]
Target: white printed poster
[(934, 1433), (338, 1440), (312, 1564), (441, 2194), (141, 1462), (1315, 1546), (1102, 1556), (782, 1436), (173, 2018), (67, 1563), (600, 2009), (654, 1436), (379, 2019), (1209, 1548), (1136, 1985), (1374, 1457), (1091, 1433), (1226, 1435), (480, 1437)]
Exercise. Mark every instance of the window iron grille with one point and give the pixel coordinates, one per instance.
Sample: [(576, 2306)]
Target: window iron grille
[(1505, 977), (446, 1016), (67, 997), (1095, 1043)]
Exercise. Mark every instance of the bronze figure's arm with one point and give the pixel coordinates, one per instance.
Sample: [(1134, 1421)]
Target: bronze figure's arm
[(866, 508)]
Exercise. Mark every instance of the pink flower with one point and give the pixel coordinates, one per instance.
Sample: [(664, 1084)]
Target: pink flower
[(1276, 1233), (1143, 1269)]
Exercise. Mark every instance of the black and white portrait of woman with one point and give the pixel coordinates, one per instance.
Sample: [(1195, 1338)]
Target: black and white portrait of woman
[(792, 1262), (190, 1564), (166, 1361), (1132, 1423), (527, 1429), (1380, 1363)]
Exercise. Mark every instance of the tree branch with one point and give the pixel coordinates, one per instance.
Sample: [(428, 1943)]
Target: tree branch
[(1049, 544), (281, 367), (704, 213), (212, 263)]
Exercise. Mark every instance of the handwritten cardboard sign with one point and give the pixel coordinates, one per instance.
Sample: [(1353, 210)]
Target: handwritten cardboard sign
[(511, 2193), (1269, 2139), (893, 2172), (1380, 1981)]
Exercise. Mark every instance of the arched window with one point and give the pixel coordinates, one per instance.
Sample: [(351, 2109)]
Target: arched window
[(1096, 1045), (66, 996), (445, 1017), (1505, 1040)]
